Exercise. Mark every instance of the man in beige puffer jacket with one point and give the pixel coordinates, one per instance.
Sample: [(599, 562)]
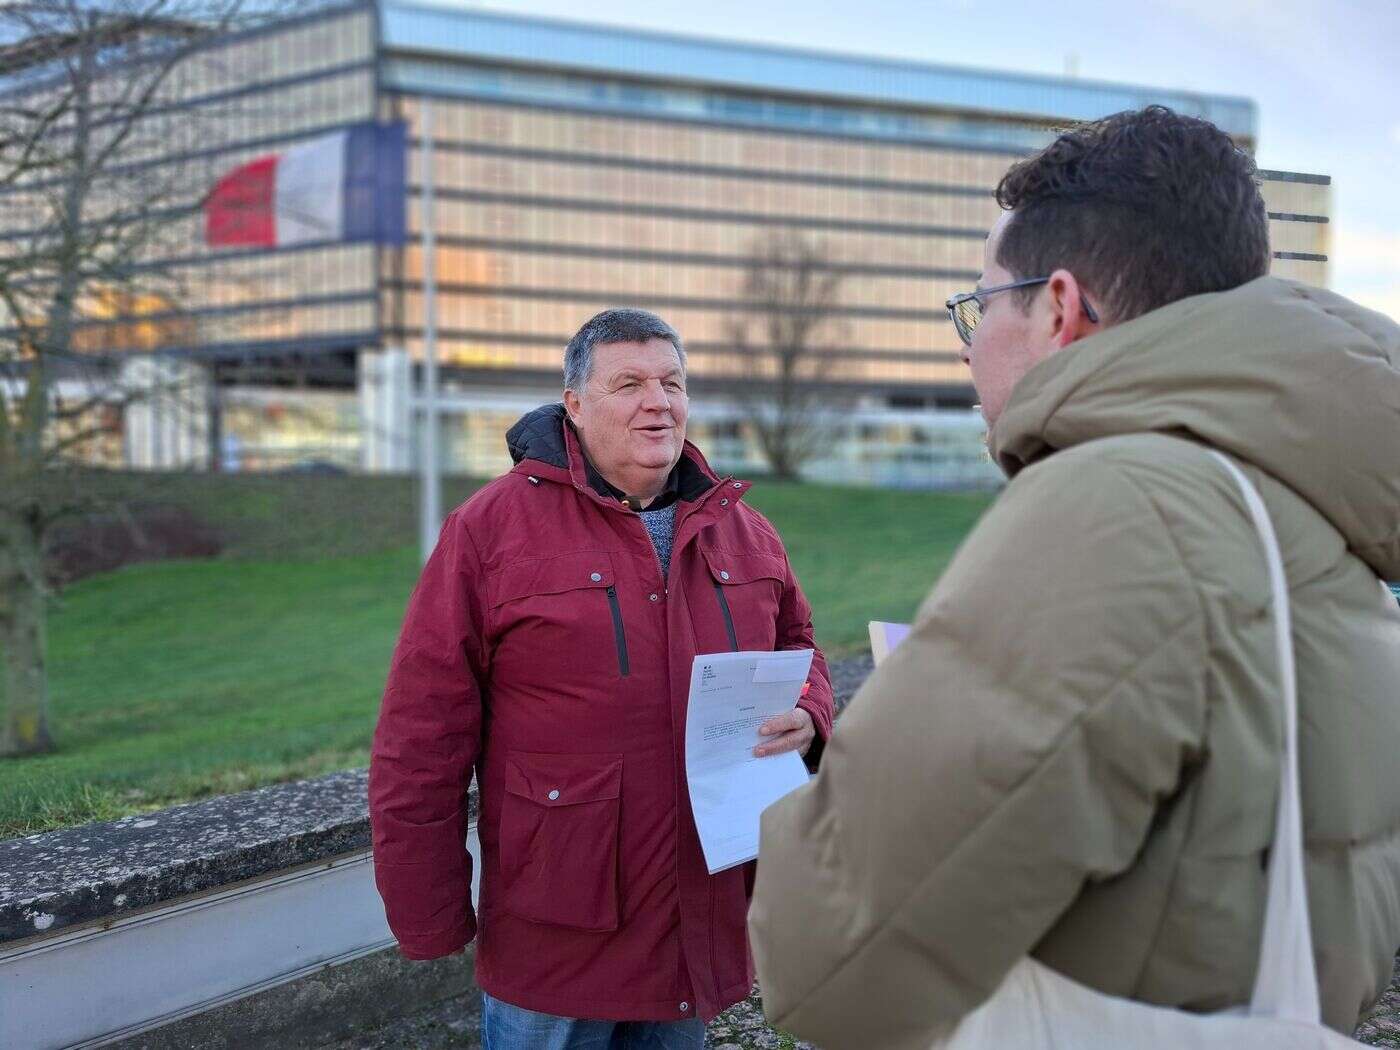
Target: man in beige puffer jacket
[(1075, 753)]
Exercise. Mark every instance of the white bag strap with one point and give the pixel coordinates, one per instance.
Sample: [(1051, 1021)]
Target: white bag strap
[(1285, 986)]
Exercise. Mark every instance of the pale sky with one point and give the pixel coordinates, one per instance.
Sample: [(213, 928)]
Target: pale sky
[(1324, 73)]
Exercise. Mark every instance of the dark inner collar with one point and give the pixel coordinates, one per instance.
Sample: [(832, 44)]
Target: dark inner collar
[(685, 482), (669, 493)]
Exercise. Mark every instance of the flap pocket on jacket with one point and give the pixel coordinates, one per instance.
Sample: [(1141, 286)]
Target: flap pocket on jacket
[(559, 834), (563, 780), (733, 569), (748, 589), (567, 572)]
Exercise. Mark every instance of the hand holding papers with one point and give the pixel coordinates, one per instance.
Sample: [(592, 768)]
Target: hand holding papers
[(731, 695)]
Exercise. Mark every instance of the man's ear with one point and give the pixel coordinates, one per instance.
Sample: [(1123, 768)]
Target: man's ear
[(1069, 322), (571, 406)]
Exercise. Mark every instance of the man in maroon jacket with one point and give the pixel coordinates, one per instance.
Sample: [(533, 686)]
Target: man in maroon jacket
[(548, 645)]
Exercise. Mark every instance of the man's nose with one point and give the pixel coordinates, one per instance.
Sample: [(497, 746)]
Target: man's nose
[(654, 396)]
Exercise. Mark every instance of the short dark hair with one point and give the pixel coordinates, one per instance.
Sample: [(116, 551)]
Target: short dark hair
[(618, 325), (1144, 207)]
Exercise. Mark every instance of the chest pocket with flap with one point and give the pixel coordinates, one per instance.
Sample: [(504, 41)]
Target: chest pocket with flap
[(748, 590), (564, 606)]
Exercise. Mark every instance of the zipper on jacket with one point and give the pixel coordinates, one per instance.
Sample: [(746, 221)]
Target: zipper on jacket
[(619, 635), (728, 619)]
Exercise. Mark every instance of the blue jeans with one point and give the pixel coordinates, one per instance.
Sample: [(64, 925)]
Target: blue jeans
[(506, 1027)]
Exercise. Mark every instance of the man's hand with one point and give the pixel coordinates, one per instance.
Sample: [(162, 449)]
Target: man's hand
[(792, 731)]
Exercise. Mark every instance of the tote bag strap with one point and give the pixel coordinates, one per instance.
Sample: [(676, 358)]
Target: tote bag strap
[(1285, 986)]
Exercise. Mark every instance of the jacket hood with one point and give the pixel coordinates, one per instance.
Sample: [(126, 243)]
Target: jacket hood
[(1299, 382), (539, 435)]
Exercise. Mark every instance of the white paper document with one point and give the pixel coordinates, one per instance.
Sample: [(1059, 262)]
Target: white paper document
[(885, 636), (731, 695)]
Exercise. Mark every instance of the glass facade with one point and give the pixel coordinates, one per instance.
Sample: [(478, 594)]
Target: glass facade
[(546, 217), (577, 168), (224, 105), (779, 82), (289, 85), (275, 429), (1300, 230), (593, 93)]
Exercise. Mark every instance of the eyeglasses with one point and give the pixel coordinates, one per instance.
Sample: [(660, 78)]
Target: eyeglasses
[(966, 309)]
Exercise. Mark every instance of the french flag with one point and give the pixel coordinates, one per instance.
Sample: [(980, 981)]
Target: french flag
[(344, 186)]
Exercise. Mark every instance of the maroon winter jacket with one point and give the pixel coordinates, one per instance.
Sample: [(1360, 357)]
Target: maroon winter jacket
[(543, 648)]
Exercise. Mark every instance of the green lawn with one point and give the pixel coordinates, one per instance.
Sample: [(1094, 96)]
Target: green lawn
[(177, 680)]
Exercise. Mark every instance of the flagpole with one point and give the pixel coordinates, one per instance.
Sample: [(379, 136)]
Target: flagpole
[(430, 483)]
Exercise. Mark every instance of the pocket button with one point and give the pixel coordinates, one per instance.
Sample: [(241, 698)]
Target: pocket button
[(554, 794)]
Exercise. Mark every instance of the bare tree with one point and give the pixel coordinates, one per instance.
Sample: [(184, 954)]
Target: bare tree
[(90, 218), (786, 340)]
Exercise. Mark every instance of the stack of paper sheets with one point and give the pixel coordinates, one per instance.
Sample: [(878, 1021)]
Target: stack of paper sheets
[(885, 636), (731, 695)]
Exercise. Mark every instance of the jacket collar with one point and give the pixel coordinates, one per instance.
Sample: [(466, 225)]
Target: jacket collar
[(1291, 379), (543, 444)]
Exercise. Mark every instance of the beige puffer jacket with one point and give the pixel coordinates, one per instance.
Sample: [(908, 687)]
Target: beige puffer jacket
[(1075, 754)]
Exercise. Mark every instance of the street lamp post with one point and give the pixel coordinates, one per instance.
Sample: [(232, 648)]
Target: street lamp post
[(430, 483)]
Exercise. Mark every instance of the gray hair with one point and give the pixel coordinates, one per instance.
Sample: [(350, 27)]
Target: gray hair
[(618, 325)]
